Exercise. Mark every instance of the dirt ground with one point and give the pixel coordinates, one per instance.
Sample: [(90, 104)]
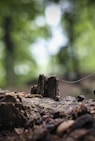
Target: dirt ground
[(86, 88), (26, 117), (29, 117)]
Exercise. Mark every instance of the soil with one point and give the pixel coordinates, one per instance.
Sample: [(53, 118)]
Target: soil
[(46, 115)]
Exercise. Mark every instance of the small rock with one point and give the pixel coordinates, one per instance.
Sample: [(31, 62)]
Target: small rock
[(19, 131), (79, 110), (84, 121), (34, 89), (64, 126), (80, 98), (7, 98)]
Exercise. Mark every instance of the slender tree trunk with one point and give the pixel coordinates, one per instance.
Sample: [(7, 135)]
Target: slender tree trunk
[(9, 51), (74, 57), (71, 21)]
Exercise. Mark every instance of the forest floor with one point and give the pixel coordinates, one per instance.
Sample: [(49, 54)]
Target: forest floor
[(85, 87), (32, 117)]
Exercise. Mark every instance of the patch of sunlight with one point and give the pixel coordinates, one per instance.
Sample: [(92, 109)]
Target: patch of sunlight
[(53, 14), (21, 69), (39, 51), (40, 21)]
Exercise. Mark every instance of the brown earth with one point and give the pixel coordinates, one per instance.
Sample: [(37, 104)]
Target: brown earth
[(38, 117)]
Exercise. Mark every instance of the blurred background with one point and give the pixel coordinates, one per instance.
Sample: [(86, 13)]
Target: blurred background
[(51, 37)]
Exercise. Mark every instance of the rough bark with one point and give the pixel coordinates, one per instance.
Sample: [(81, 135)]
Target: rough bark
[(47, 87)]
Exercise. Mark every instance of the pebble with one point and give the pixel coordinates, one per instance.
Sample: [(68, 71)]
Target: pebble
[(80, 98), (84, 121), (64, 126)]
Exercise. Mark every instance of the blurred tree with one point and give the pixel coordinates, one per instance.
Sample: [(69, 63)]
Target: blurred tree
[(79, 21), (17, 21), (71, 18), (9, 51), (18, 29)]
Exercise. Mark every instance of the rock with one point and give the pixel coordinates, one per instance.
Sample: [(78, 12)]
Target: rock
[(64, 126), (11, 115), (79, 110), (26, 117), (8, 98), (84, 121), (80, 98)]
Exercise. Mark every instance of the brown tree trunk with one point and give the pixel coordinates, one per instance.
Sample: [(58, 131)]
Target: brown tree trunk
[(71, 21), (9, 51)]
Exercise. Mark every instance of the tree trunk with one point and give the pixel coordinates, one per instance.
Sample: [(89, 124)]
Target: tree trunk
[(9, 51), (71, 21)]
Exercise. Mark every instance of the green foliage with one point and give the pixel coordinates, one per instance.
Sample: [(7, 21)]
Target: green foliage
[(78, 21), (79, 27), (24, 31), (85, 43)]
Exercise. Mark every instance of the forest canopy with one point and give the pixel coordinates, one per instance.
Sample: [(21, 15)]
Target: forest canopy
[(60, 31)]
